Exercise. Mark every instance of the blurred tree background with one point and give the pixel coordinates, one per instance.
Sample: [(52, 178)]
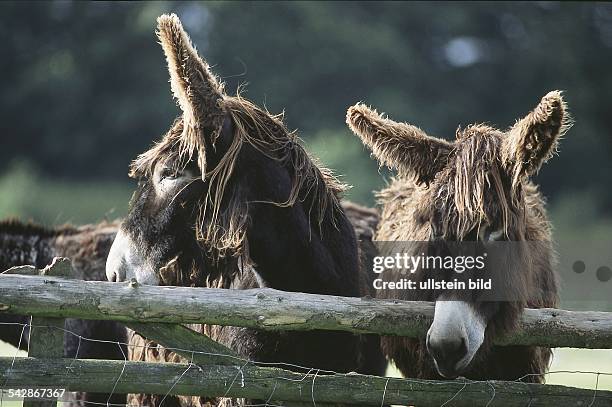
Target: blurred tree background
[(84, 86), (84, 89)]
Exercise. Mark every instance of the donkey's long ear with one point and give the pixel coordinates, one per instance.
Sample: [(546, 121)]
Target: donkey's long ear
[(534, 138), (196, 89), (400, 146)]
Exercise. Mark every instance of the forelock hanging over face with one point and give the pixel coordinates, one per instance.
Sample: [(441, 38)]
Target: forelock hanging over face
[(473, 188)]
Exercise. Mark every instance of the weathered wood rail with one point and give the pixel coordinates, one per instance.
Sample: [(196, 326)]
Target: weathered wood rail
[(269, 309), (284, 387), (216, 371)]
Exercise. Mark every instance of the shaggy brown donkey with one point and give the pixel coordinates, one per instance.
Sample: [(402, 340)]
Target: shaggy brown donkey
[(230, 199), (87, 247), (476, 189)]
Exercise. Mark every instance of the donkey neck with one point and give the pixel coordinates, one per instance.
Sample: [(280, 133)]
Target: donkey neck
[(291, 252)]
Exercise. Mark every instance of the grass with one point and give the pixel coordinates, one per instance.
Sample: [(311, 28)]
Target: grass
[(8, 350), (24, 194), (346, 156), (571, 367)]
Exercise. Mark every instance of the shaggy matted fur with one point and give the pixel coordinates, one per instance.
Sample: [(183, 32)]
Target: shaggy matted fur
[(244, 206), (448, 190), (87, 246), (220, 227)]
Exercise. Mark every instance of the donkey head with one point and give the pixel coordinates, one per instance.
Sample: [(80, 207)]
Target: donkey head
[(191, 207), (475, 188)]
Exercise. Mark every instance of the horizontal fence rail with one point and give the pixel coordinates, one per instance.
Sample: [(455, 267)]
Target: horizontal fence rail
[(284, 387), (270, 309)]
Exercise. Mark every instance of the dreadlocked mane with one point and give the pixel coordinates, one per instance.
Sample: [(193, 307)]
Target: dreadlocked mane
[(223, 215)]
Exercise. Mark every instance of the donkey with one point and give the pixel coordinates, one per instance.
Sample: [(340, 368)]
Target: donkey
[(230, 199), (476, 188), (87, 246)]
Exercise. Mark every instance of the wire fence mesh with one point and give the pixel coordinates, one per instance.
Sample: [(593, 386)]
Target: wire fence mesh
[(307, 375)]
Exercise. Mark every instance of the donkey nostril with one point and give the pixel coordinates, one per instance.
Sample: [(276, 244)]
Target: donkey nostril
[(119, 275), (447, 352), (113, 278), (459, 352)]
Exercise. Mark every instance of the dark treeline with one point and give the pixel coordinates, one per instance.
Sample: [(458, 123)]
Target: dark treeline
[(83, 86)]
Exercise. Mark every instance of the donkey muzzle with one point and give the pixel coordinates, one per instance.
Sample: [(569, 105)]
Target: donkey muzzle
[(124, 262), (456, 334), (116, 265)]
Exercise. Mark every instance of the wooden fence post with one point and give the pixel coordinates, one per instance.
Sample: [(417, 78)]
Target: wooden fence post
[(47, 334)]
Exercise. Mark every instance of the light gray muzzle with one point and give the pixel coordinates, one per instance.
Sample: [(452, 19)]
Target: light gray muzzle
[(124, 262)]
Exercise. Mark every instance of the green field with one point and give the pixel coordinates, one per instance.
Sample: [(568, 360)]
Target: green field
[(566, 365), (8, 350)]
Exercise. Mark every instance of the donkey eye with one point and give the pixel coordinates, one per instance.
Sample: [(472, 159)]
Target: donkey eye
[(168, 173), (496, 235), (489, 235)]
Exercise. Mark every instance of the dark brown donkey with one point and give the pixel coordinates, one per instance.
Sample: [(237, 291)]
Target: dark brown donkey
[(475, 189), (230, 199), (87, 246)]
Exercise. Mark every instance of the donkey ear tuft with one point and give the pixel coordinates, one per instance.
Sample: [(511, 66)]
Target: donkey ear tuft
[(190, 75), (534, 138), (400, 146), (196, 89), (362, 120)]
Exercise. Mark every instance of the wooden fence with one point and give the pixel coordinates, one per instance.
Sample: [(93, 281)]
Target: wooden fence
[(156, 312)]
